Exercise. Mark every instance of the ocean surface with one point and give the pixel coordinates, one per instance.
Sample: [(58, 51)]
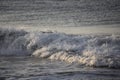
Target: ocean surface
[(59, 39), (29, 68), (26, 55), (70, 13)]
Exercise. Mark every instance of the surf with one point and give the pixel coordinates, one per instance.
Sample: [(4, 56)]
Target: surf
[(87, 50)]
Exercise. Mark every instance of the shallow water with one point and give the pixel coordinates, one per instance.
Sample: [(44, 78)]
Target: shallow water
[(29, 68)]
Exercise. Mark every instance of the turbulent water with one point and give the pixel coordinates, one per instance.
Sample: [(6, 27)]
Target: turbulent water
[(27, 52), (51, 55), (88, 50)]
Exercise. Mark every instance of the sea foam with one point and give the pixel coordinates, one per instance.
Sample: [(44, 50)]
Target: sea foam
[(88, 50)]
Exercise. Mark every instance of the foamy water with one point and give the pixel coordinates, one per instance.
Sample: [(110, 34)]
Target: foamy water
[(59, 39), (87, 50)]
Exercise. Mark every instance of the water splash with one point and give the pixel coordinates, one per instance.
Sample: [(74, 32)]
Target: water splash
[(88, 50)]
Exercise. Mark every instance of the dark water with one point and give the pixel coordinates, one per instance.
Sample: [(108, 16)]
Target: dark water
[(60, 13), (28, 68)]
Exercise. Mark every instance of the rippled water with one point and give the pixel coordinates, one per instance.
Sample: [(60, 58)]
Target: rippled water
[(69, 13), (29, 68)]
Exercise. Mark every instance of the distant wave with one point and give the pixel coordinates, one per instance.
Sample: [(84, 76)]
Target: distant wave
[(88, 50)]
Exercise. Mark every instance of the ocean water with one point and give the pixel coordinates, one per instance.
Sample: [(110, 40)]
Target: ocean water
[(59, 13), (59, 40), (29, 68), (58, 56)]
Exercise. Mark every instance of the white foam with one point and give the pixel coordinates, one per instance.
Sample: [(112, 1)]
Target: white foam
[(89, 50)]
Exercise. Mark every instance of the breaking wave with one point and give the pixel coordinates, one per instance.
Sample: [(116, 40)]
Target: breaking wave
[(88, 50)]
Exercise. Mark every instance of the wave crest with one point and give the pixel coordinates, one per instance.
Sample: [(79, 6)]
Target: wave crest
[(89, 50)]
